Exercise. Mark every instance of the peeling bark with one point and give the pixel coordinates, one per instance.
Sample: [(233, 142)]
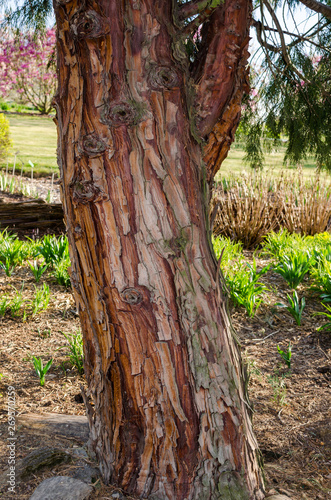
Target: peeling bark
[(166, 402)]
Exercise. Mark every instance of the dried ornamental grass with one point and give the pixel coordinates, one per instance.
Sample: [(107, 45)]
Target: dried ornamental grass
[(247, 211), (248, 208), (307, 205)]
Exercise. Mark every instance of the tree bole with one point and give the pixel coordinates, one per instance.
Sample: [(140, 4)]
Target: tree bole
[(166, 403)]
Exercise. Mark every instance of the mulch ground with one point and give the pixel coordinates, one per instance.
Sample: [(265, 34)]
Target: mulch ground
[(291, 407)]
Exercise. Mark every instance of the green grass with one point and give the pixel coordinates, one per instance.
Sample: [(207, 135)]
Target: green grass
[(35, 139), (234, 163)]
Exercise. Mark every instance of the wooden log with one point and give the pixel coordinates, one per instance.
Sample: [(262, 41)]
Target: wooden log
[(31, 214)]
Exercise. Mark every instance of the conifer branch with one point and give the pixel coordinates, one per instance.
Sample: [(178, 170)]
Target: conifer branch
[(319, 7)]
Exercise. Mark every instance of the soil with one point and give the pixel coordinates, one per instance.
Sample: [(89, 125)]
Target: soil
[(291, 406)]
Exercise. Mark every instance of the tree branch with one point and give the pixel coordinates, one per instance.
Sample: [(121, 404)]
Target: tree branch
[(319, 7), (190, 9), (225, 39), (285, 53), (258, 26)]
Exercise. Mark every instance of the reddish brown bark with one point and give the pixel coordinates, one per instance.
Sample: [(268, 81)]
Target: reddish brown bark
[(169, 418)]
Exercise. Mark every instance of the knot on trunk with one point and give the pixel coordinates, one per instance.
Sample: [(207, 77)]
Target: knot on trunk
[(88, 24), (78, 231), (123, 113), (132, 296), (92, 145), (86, 192), (163, 77)]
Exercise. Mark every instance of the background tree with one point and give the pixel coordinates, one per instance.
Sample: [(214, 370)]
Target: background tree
[(5, 142), (148, 102), (293, 83), (27, 68)]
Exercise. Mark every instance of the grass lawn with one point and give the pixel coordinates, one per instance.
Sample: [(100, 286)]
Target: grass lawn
[(234, 163), (35, 139)]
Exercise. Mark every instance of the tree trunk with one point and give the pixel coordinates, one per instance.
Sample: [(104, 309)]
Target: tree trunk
[(168, 413)]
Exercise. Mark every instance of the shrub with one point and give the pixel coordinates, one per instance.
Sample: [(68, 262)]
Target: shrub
[(5, 142)]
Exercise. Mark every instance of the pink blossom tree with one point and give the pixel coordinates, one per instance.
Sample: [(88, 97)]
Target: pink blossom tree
[(27, 68)]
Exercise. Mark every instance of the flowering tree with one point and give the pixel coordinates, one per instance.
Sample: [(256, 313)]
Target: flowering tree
[(27, 68)]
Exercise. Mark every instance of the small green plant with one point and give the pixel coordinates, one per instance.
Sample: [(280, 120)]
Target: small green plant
[(41, 299), (54, 249), (279, 389), (275, 243), (3, 306), (295, 308), (40, 369), (322, 279), (229, 250), (76, 353), (16, 303), (60, 272), (7, 267), (327, 314), (245, 288), (286, 355), (294, 266), (37, 270)]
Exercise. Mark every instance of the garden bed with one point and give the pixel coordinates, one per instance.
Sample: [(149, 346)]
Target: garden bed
[(290, 405)]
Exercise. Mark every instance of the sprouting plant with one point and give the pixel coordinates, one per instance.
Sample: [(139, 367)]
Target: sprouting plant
[(327, 314), (3, 306), (275, 243), (12, 251), (279, 389), (37, 270), (76, 353), (54, 249), (294, 266), (40, 369), (295, 307), (286, 355), (7, 267), (322, 279), (60, 272), (229, 250), (16, 303), (245, 288), (41, 299)]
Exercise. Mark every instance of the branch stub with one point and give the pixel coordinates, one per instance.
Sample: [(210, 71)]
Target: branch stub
[(132, 296)]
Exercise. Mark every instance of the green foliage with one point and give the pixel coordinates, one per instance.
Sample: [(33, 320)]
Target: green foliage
[(294, 266), (40, 369), (3, 306), (294, 307), (327, 314), (244, 286), (16, 303), (5, 142), (76, 352), (54, 249), (322, 278), (37, 270), (286, 355), (229, 250), (60, 272), (41, 299)]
